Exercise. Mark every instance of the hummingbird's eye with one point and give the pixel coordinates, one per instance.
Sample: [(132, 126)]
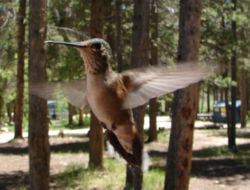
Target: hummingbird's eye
[(96, 46)]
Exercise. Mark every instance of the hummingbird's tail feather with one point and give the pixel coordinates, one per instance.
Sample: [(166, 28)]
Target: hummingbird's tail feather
[(136, 157)]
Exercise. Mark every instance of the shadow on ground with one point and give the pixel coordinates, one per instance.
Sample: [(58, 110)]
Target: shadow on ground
[(240, 133), (218, 168), (19, 178), (202, 167), (212, 167), (13, 180)]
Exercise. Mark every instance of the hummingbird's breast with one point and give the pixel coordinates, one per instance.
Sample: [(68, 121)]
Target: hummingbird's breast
[(104, 103)]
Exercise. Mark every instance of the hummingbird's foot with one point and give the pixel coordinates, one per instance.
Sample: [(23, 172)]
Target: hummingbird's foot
[(134, 158)]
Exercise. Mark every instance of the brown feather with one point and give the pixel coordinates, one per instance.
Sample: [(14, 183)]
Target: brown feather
[(133, 159)]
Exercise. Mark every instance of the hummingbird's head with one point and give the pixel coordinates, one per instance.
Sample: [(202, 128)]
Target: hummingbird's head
[(95, 53)]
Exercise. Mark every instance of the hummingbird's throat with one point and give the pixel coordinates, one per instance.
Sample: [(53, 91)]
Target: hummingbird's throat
[(94, 64)]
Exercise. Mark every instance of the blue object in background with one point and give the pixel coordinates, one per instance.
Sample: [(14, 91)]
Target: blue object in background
[(52, 109), (219, 112)]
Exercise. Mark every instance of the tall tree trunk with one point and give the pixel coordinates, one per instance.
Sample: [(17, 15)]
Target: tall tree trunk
[(70, 114), (232, 129), (243, 97), (20, 69), (118, 39), (39, 151), (228, 109), (216, 96), (223, 62), (2, 87), (228, 112), (248, 94), (139, 57), (153, 108), (224, 68), (96, 141), (208, 98), (109, 32), (185, 101), (10, 107), (153, 105), (1, 107), (202, 94), (81, 122)]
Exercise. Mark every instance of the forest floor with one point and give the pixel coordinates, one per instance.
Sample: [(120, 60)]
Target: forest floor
[(213, 166)]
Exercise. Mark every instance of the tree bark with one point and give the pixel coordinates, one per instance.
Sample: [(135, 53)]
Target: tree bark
[(243, 97), (232, 129), (81, 119), (185, 101), (208, 98), (70, 114), (118, 39), (39, 151), (10, 107), (2, 93), (153, 104), (248, 95), (96, 141), (1, 106), (139, 57), (153, 108), (20, 69)]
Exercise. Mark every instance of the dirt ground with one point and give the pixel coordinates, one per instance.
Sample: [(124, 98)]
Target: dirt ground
[(207, 173), (220, 173)]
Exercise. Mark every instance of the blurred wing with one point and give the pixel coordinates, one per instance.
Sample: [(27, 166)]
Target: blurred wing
[(147, 83), (46, 90), (73, 91)]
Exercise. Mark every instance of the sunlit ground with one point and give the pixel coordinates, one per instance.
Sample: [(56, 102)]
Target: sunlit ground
[(214, 167)]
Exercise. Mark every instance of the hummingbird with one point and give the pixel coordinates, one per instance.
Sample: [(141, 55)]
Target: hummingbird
[(111, 95)]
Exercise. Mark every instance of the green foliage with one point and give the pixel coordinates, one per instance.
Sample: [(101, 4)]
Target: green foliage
[(217, 41), (224, 82), (67, 21), (168, 31), (7, 53)]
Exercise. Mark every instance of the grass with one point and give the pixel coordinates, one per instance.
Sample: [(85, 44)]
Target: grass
[(69, 177), (243, 154), (163, 136), (110, 178), (63, 124), (113, 176), (245, 158), (214, 152), (154, 179)]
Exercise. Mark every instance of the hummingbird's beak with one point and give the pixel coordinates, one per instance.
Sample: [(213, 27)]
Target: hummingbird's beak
[(74, 44)]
